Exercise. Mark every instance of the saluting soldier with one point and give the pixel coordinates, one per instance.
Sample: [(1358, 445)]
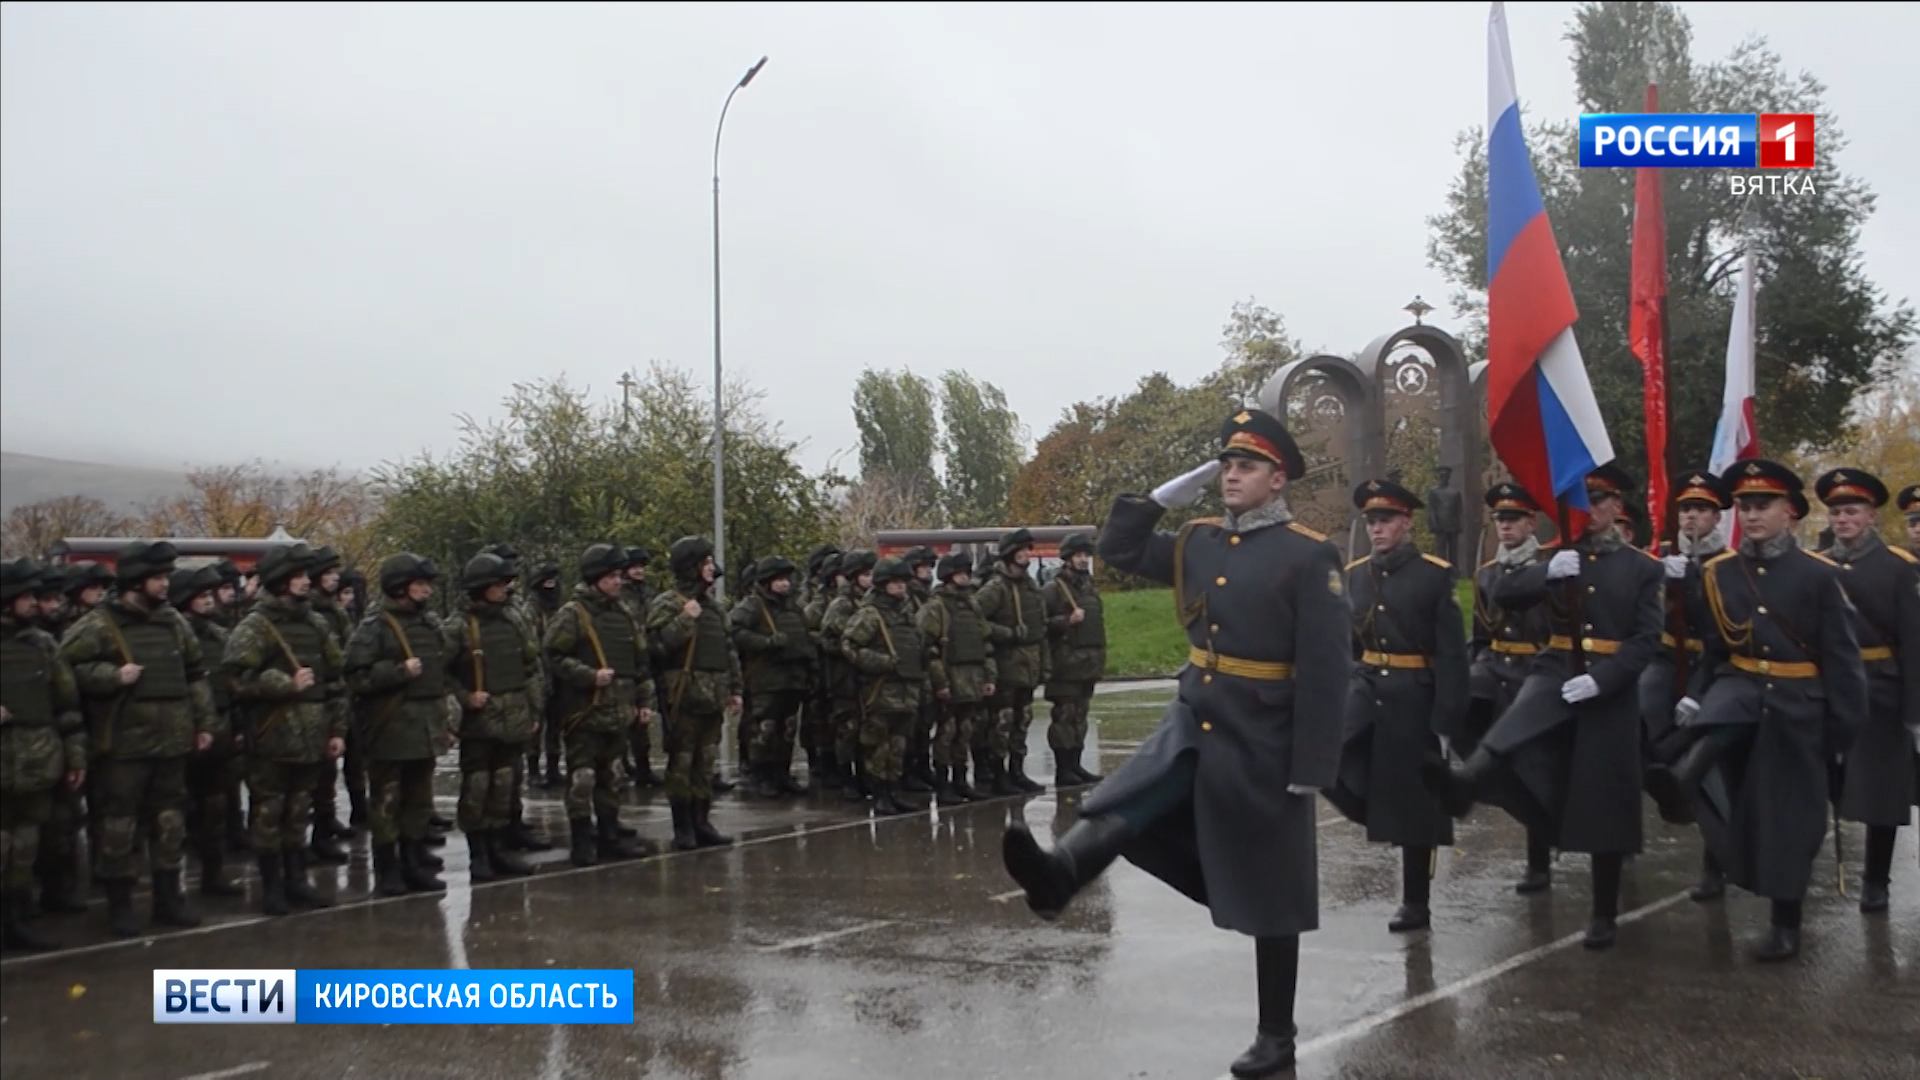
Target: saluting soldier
[(145, 680), (777, 657), (289, 694), (1218, 802), (856, 573), (210, 772), (1786, 688), (1077, 636), (960, 673), (1880, 784), (1566, 755), (1503, 645), (1017, 614), (43, 743), (328, 830), (700, 683), (883, 643), (816, 723), (917, 774), (1408, 691), (397, 671)]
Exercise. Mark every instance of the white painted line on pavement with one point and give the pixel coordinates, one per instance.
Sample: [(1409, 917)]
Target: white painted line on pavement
[(1454, 989), (238, 1070), (831, 935), (1006, 896)]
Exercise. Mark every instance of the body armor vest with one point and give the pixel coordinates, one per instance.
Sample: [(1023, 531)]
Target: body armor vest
[(617, 640), (156, 648), (426, 646), (308, 648), (1092, 631), (712, 649), (966, 634), (909, 649), (26, 683), (503, 654), (793, 623)]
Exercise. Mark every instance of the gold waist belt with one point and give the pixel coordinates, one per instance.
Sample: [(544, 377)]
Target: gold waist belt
[(1515, 648), (1592, 645), (1694, 644), (1779, 669), (1393, 660), (1877, 652), (1264, 670)]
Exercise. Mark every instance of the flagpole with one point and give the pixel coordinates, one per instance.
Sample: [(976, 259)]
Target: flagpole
[(1572, 590)]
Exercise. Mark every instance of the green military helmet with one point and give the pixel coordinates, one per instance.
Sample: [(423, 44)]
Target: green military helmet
[(18, 576), (751, 575), (144, 559), (184, 585), (855, 563), (829, 568), (506, 553), (687, 555), (776, 566), (323, 559), (639, 556), (921, 556), (891, 569), (818, 557), (485, 570), (85, 575), (1015, 542), (599, 560), (957, 563), (52, 582), (544, 575), (402, 570), (283, 562), (1075, 544), (229, 573)]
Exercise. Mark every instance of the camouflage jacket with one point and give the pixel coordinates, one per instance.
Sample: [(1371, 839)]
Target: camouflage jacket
[(891, 654), (279, 636), (213, 645), (775, 645), (698, 667), (400, 717), (957, 634), (1078, 652), (590, 631), (43, 737), (339, 623), (159, 715), (1017, 615), (842, 679), (493, 648)]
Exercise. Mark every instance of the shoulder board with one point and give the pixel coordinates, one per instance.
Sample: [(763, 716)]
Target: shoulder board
[(1647, 553), (1718, 559), (1306, 532), (1197, 522), (1903, 554), (1437, 561), (1484, 565), (1822, 558), (1358, 561)]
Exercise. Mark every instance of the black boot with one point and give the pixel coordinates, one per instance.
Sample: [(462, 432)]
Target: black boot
[(553, 779), (784, 780), (1415, 890), (213, 872), (1458, 787), (273, 885), (1063, 777), (479, 858), (1673, 788), (994, 778), (585, 852), (300, 891), (720, 785), (17, 934), (1051, 878), (120, 907), (765, 784), (682, 825), (884, 804), (961, 789), (1017, 772), (1277, 970), (325, 848), (1713, 881), (386, 871), (439, 824), (414, 869), (855, 788), (1606, 901), (518, 837), (59, 888), (913, 778), (169, 903), (1783, 938), (1539, 875), (1077, 755), (704, 834), (1873, 890), (506, 863), (828, 777), (426, 856), (943, 793), (611, 844)]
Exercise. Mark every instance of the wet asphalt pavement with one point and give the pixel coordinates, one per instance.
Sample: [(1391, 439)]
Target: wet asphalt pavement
[(824, 945)]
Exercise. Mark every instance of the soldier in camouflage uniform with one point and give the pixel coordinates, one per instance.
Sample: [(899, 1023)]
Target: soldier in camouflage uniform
[(961, 675), (77, 588), (50, 600), (328, 831), (495, 660), (604, 682), (87, 585), (917, 771), (397, 673), (856, 574), (210, 772), (290, 703), (539, 604), (883, 644), (43, 743), (701, 682), (149, 707), (637, 595), (227, 597), (777, 654), (1013, 605), (1077, 632), (816, 727)]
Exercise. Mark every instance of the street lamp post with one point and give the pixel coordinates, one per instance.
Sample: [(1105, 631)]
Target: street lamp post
[(719, 456)]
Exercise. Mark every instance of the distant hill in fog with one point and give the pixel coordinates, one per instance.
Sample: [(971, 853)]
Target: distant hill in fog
[(26, 478)]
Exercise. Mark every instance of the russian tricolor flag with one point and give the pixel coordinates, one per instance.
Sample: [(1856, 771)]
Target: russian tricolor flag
[(1544, 420)]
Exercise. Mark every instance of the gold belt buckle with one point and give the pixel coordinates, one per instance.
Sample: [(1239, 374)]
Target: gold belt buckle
[(1764, 670), (1586, 644)]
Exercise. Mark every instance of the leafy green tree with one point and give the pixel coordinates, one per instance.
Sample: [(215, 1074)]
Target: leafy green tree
[(899, 429), (981, 441)]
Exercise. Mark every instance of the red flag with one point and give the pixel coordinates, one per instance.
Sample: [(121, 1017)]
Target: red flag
[(1647, 325)]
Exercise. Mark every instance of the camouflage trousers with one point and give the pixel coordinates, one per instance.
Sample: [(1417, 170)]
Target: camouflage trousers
[(816, 723), (279, 802), (883, 741), (210, 780), (960, 727), (1012, 716), (489, 774), (1068, 728), (58, 861), (594, 762), (776, 722), (693, 746), (845, 719), (399, 799), (21, 815), (143, 798)]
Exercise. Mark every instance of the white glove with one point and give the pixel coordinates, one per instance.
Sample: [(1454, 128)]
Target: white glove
[(1579, 688), (1185, 489), (1685, 713), (1300, 789), (1676, 566), (1563, 564)]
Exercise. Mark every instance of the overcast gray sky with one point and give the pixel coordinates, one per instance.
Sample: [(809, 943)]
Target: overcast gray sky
[(313, 233)]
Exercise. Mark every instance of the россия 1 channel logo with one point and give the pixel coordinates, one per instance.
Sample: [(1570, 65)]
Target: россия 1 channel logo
[(1696, 141)]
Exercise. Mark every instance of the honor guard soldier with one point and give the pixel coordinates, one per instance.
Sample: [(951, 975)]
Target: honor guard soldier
[(1218, 801), (701, 684), (816, 728), (1503, 645), (961, 675), (1408, 692), (856, 571), (1786, 688), (43, 743), (495, 663), (1882, 769), (145, 680), (884, 645), (397, 672), (210, 772), (777, 660), (1565, 757), (1077, 635), (1011, 601), (1909, 503), (289, 697)]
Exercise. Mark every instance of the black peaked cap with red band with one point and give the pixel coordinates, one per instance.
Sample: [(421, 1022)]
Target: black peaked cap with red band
[(1253, 433), (1385, 495)]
